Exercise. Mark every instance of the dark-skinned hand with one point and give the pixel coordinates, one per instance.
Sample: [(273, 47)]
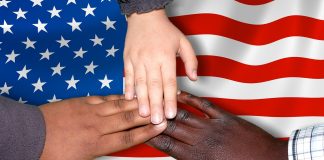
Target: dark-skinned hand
[(218, 136)]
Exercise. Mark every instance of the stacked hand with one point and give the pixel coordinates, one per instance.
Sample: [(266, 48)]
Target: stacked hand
[(85, 128), (221, 136), (151, 46)]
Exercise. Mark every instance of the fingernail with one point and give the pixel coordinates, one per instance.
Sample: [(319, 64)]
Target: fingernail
[(170, 115), (156, 119), (194, 74), (128, 96), (178, 92), (143, 112)]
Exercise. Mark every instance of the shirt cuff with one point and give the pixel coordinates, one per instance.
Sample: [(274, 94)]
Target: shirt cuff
[(307, 144), (141, 6), (22, 131)]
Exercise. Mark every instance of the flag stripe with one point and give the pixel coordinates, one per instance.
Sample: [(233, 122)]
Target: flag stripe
[(224, 88), (251, 14), (274, 107), (229, 69), (215, 45), (253, 2), (247, 33)]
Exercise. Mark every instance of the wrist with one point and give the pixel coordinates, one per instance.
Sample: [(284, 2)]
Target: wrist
[(156, 15)]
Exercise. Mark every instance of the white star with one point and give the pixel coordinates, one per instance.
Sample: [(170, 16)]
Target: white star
[(72, 83), (21, 101), (38, 85), (6, 27), (54, 12), (54, 99), (97, 41), (111, 52), (40, 26), (105, 82), (90, 68), (46, 54), (5, 89), (4, 3), (109, 24), (75, 25), (37, 2), (88, 94), (71, 1), (20, 14), (89, 10), (57, 69), (63, 42), (11, 57), (79, 53), (29, 43), (23, 73)]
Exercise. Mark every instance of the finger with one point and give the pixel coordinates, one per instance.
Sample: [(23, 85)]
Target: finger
[(181, 132), (129, 80), (170, 88), (115, 106), (122, 140), (189, 119), (189, 59), (155, 93), (141, 91), (101, 99), (121, 121), (171, 146), (201, 104)]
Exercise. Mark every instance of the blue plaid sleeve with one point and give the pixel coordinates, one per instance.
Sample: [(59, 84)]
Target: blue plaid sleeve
[(307, 144)]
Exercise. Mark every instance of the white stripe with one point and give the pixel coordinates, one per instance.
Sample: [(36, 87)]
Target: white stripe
[(224, 88), (282, 127), (257, 55), (260, 14), (131, 158)]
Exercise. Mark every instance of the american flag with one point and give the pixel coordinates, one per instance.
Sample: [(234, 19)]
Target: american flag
[(261, 60)]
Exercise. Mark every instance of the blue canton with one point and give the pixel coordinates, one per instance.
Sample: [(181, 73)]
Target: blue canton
[(53, 50)]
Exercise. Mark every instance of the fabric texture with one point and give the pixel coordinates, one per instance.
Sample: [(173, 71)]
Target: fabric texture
[(141, 6), (307, 144), (22, 131)]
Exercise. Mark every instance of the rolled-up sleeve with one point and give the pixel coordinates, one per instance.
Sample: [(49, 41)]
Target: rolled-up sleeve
[(22, 131), (307, 144), (141, 6)]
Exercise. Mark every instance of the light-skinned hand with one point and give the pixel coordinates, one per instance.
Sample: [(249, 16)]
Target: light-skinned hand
[(89, 127), (151, 46)]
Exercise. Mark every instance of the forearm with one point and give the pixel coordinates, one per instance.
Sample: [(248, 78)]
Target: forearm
[(141, 6), (22, 131)]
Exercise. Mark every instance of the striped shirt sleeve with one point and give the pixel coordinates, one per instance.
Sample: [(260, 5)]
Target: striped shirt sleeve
[(307, 144)]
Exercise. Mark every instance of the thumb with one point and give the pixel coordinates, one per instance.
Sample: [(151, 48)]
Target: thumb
[(189, 59)]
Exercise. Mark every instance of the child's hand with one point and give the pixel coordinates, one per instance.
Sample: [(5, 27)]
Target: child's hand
[(152, 43)]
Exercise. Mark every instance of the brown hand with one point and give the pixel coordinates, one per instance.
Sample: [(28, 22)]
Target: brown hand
[(222, 136), (85, 128)]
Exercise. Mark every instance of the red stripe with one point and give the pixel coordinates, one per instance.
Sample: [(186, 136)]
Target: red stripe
[(248, 33), (254, 2), (273, 107), (142, 150), (233, 70)]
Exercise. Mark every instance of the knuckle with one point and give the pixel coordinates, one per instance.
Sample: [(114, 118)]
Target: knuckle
[(140, 80), (118, 104), (171, 83), (128, 117), (171, 127), (205, 105), (167, 144), (183, 115), (155, 82), (127, 138)]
